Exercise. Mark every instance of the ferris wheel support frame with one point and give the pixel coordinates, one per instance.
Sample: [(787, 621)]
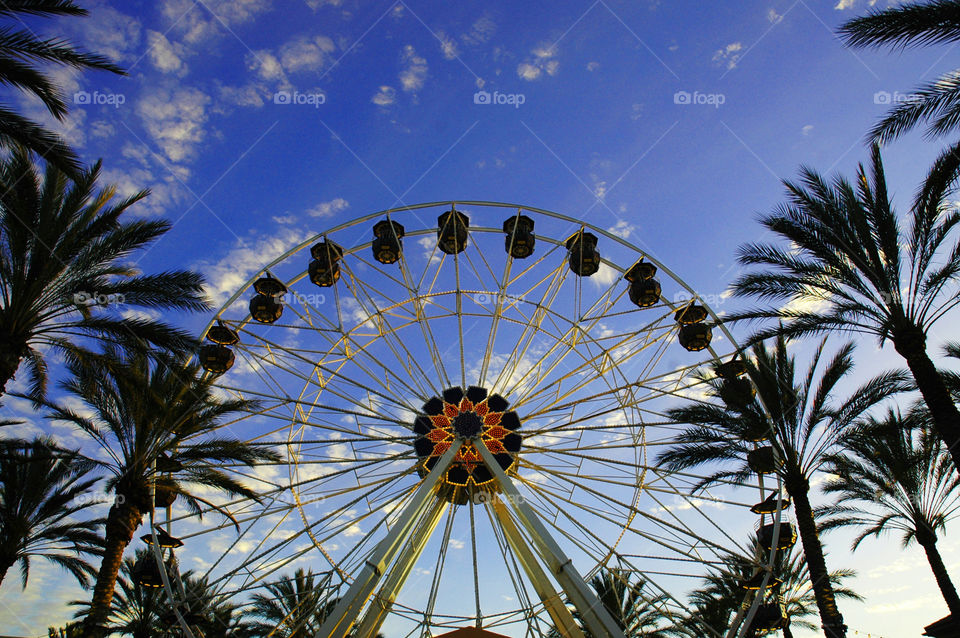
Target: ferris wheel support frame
[(595, 616), (412, 538), (344, 615), (382, 603), (559, 613)]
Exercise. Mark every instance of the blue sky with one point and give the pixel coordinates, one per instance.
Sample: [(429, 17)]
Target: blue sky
[(258, 123)]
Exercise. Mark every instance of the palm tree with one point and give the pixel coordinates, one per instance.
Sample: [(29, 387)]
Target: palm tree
[(804, 424), (145, 612), (636, 611), (936, 103), (22, 58), (292, 607), (892, 476), (42, 489), (135, 610), (717, 601), (851, 268), (63, 250), (140, 408)]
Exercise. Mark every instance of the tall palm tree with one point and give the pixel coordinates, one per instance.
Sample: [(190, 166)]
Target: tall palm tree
[(64, 249), (893, 477), (806, 419), (138, 408), (42, 489), (850, 267), (292, 607), (935, 103), (23, 56)]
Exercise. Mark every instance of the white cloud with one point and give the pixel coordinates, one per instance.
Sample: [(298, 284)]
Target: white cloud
[(448, 46), (622, 228), (327, 209), (773, 16), (480, 32), (844, 4), (386, 96), (267, 66), (197, 27), (175, 119), (729, 55), (316, 4), (542, 61), (245, 259), (248, 95), (306, 54), (111, 33), (165, 55), (807, 129), (593, 66), (414, 75)]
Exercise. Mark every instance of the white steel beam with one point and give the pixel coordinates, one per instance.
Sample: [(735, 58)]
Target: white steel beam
[(595, 616), (345, 614)]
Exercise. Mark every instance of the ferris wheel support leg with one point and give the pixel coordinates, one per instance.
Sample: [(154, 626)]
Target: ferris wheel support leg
[(339, 622), (595, 616), (382, 603), (559, 614)]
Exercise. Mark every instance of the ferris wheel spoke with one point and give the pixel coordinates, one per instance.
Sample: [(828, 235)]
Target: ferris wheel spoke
[(419, 308), (418, 376), (531, 327), (676, 528), (438, 570), (385, 391)]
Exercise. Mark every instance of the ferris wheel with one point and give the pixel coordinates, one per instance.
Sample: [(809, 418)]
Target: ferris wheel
[(469, 398)]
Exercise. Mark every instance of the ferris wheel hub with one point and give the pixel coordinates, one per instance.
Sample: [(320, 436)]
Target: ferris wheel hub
[(476, 417)]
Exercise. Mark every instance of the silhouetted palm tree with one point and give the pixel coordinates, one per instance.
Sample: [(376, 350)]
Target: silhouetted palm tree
[(936, 103), (715, 604), (292, 607), (805, 421), (63, 247), (22, 57), (637, 611), (135, 610), (850, 267), (42, 489), (146, 612), (141, 408), (893, 477)]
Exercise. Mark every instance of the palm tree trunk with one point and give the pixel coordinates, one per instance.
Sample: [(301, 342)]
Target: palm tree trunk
[(830, 617), (928, 541), (946, 417), (9, 362), (122, 522), (787, 632)]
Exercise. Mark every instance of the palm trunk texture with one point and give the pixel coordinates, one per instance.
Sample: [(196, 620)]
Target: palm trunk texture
[(830, 617)]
